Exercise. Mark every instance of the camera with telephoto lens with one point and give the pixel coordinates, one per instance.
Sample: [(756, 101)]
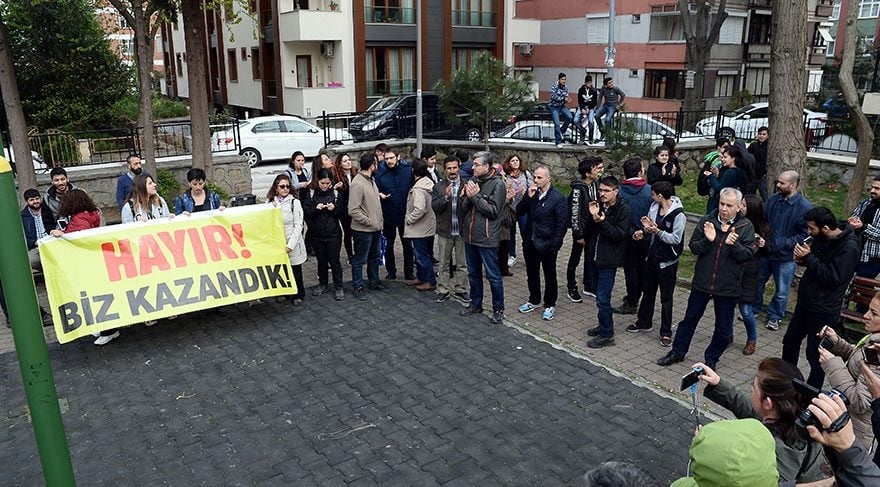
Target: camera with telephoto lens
[(807, 417)]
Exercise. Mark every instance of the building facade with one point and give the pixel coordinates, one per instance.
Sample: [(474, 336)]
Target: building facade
[(304, 57)]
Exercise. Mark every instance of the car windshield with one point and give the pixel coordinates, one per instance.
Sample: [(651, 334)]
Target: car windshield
[(740, 110), (382, 104), (506, 131)]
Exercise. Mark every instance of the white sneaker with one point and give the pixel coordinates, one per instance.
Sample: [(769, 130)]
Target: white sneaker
[(511, 261), (103, 340), (150, 323)]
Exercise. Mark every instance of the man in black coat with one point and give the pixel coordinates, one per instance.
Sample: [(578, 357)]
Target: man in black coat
[(831, 261), (722, 242), (612, 220), (542, 238)]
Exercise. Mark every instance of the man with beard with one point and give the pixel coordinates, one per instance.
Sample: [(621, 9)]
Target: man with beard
[(865, 220), (38, 221), (123, 184), (394, 178), (60, 186), (722, 241)]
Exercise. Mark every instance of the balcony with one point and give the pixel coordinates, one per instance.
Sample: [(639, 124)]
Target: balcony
[(310, 102), (312, 25), (756, 52), (824, 8), (384, 87), (759, 4), (377, 14), (473, 18), (817, 55)]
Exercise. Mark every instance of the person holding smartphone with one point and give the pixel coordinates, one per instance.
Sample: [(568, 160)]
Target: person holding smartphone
[(843, 366)]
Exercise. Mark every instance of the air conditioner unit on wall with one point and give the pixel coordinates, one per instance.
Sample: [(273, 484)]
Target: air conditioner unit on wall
[(526, 49), (327, 48)]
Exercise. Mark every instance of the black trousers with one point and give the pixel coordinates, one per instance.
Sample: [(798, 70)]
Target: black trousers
[(574, 261), (536, 261), (391, 232), (327, 254), (634, 269), (503, 255), (298, 278), (806, 324), (663, 279)]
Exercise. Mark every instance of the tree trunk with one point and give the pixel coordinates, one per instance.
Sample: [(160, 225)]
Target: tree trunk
[(864, 134), (700, 33), (24, 164), (788, 47), (694, 103), (197, 76), (144, 56)]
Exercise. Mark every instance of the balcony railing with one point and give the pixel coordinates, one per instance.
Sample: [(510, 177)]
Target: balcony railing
[(380, 87), (473, 18), (389, 15)]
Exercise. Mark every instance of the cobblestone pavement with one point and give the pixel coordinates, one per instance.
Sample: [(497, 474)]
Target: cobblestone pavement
[(395, 391)]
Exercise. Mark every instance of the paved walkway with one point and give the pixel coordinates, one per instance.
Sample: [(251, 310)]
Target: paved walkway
[(331, 393)]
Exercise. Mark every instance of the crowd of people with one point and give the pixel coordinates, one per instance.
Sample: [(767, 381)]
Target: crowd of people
[(474, 209)]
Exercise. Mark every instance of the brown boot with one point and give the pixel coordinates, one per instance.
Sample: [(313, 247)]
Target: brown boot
[(749, 349)]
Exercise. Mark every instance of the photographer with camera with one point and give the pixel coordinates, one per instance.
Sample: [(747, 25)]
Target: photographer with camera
[(853, 465), (776, 403), (842, 362)]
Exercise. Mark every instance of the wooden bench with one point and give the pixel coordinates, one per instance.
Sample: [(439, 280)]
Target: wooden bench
[(861, 292)]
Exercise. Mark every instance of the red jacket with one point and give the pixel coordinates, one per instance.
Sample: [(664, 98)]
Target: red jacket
[(83, 221)]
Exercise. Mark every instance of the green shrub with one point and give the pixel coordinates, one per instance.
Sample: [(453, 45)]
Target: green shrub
[(169, 186), (739, 100), (212, 187)]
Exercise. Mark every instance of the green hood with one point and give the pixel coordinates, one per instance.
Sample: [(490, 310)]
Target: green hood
[(732, 453)]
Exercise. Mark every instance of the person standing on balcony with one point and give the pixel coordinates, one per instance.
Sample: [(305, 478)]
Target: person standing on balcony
[(123, 184), (558, 100), (610, 98)]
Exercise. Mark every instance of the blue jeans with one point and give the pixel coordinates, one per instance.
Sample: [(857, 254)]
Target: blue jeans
[(556, 113), (477, 259), (603, 280), (424, 265), (697, 303), (750, 320), (591, 116), (366, 251), (521, 222), (608, 112), (783, 274)]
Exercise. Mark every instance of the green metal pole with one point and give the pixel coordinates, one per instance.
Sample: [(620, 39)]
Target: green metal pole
[(27, 330)]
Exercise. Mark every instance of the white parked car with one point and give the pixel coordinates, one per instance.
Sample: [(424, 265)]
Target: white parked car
[(541, 131), (39, 165), (745, 122), (276, 137)]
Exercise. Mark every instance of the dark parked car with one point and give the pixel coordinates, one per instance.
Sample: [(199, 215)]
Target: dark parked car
[(395, 117)]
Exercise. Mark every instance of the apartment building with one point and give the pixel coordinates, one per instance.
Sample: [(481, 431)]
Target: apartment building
[(868, 29), (310, 56), (122, 40), (650, 49)]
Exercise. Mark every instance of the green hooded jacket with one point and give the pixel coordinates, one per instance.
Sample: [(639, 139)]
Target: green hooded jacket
[(732, 453)]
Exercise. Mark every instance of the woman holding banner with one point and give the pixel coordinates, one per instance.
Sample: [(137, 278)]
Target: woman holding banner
[(281, 196), (82, 214), (144, 202)]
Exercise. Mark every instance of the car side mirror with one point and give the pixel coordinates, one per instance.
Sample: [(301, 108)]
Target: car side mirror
[(314, 131), (747, 117), (663, 133)]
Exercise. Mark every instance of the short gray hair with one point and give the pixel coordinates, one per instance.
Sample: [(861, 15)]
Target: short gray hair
[(485, 156), (728, 191)]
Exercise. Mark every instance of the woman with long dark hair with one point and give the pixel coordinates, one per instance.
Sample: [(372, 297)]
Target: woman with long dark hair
[(297, 171), (518, 179), (734, 173), (420, 224), (324, 206), (776, 403), (144, 202), (281, 195), (343, 172), (749, 303), (664, 167), (81, 213)]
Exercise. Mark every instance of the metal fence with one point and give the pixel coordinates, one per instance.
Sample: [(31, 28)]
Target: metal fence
[(378, 125), (838, 136), (66, 149)]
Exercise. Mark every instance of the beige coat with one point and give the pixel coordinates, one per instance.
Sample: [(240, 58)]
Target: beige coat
[(845, 374), (292, 216), (364, 206), (420, 221)]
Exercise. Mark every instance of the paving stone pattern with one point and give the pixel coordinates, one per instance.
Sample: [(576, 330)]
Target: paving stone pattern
[(395, 391)]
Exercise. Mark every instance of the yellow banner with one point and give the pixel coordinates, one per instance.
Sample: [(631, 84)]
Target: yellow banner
[(119, 275)]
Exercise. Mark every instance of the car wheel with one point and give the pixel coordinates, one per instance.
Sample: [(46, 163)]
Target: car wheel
[(726, 133), (474, 134), (252, 155), (334, 143)]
